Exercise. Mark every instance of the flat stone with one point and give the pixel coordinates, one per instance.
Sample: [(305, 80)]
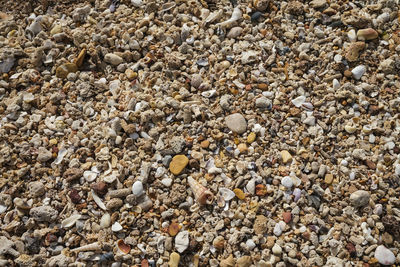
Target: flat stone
[(260, 225), (236, 123), (359, 198), (182, 241), (317, 4), (286, 156), (174, 259), (329, 178), (234, 32), (244, 261), (384, 255), (43, 214), (178, 163), (66, 68), (367, 34), (43, 154), (287, 216), (113, 59)]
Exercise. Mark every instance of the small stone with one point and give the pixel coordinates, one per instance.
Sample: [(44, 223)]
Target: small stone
[(173, 229), (384, 255), (100, 188), (174, 259), (234, 32), (287, 182), (352, 35), (105, 221), (116, 227), (56, 29), (287, 216), (130, 74), (352, 249), (239, 193), (250, 244), (196, 81), (178, 163), (244, 261), (205, 144), (286, 156), (251, 137), (182, 241), (276, 249), (137, 189), (277, 230), (44, 155), (260, 225), (242, 148), (329, 178), (370, 164), (359, 198), (36, 189), (236, 123), (358, 72), (113, 59), (79, 60), (219, 242), (66, 68), (263, 103), (367, 34), (387, 238), (228, 262), (44, 214), (114, 203), (261, 190), (353, 51), (74, 196), (318, 4)]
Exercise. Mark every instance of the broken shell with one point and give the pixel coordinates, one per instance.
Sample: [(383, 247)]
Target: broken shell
[(70, 221), (226, 193), (299, 101), (98, 201), (137, 3), (105, 221), (202, 194), (209, 93), (236, 15), (350, 128), (90, 176), (123, 247), (116, 227), (89, 247)]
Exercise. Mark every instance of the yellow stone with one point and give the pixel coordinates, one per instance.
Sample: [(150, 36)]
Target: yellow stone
[(178, 163), (251, 137), (239, 193), (79, 60), (242, 148), (53, 141), (286, 156), (174, 259), (63, 70), (56, 29), (130, 74), (329, 178)]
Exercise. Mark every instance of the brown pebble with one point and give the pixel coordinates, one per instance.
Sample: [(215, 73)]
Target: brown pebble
[(100, 188), (352, 249), (74, 196), (370, 164), (287, 216), (205, 144)]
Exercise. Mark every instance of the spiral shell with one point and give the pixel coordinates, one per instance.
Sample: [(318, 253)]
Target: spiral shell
[(201, 194)]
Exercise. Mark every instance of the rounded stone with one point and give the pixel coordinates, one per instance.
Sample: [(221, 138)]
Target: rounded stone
[(384, 255), (287, 182), (236, 123), (359, 198), (178, 163), (113, 59), (137, 188)]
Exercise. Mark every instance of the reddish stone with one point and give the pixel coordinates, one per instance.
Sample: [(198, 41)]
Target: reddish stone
[(74, 196), (287, 216), (100, 188), (352, 249)]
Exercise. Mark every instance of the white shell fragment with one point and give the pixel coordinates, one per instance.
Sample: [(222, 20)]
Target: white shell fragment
[(70, 221), (182, 241), (358, 71), (98, 201), (137, 189), (90, 176), (105, 220), (116, 227), (226, 193)]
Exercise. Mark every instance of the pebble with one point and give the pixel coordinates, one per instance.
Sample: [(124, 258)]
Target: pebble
[(250, 244), (44, 155), (43, 214), (228, 262), (353, 51), (244, 261), (105, 221), (236, 123), (328, 178), (358, 72), (277, 250), (277, 229), (287, 182), (178, 163), (182, 241), (137, 189), (367, 34), (174, 259), (286, 156), (36, 189), (384, 255), (287, 216), (63, 70), (359, 198), (113, 59), (251, 137), (260, 225), (234, 32)]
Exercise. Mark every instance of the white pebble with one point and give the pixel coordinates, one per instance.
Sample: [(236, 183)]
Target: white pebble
[(182, 241), (276, 249), (137, 189), (277, 230), (116, 227), (287, 182), (250, 244), (358, 72), (384, 255)]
